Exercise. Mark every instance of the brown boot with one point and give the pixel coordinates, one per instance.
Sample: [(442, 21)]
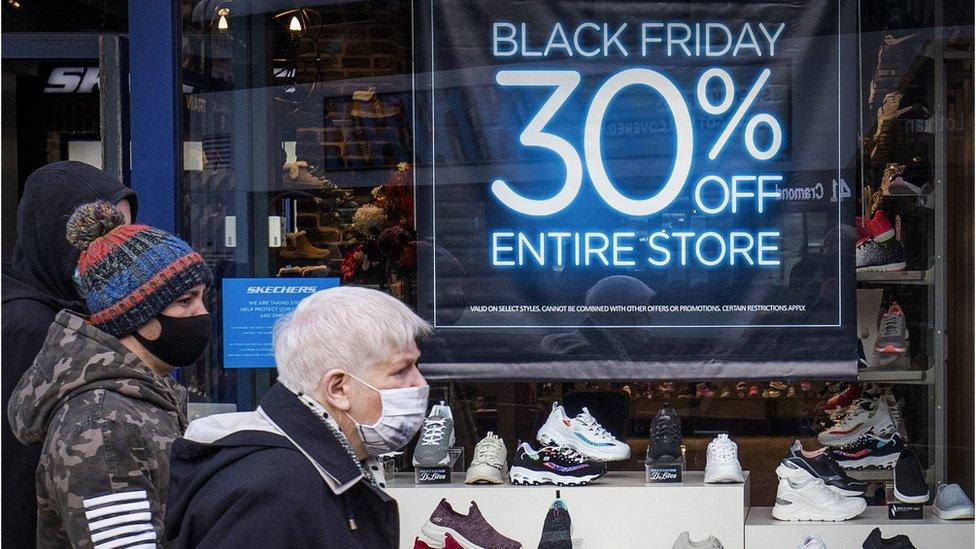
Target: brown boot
[(298, 247)]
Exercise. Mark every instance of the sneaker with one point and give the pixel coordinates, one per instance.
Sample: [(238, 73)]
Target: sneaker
[(875, 541), (470, 531), (557, 530), (877, 227), (684, 542), (909, 480), (726, 392), (799, 464), (583, 434), (871, 415), (812, 500), (722, 463), (704, 390), (490, 461), (842, 399), (436, 437), (892, 332), (791, 392), (741, 389), (665, 437), (951, 503), (753, 391), (870, 451), (880, 256), (910, 179), (553, 465), (775, 389), (812, 541)]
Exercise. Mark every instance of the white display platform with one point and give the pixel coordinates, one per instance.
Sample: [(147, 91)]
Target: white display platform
[(765, 532), (618, 511)]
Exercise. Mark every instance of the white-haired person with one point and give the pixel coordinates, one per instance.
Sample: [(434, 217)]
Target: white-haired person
[(301, 470)]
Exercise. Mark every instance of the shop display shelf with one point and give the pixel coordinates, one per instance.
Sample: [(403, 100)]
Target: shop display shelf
[(762, 531), (904, 375), (926, 277), (875, 474)]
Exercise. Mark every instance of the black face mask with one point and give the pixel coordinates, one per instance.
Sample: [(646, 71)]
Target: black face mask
[(181, 341)]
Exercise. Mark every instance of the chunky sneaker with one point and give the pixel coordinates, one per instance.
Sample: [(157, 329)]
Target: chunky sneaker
[(812, 500), (684, 542), (951, 503), (892, 332), (871, 415), (910, 486), (561, 466), (870, 451), (665, 443), (872, 255), (470, 531), (490, 462), (799, 464), (812, 541), (557, 530), (722, 461), (842, 399), (436, 437), (875, 541), (582, 433)]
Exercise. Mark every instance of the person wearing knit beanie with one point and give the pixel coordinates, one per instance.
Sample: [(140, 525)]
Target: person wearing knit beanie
[(99, 394)]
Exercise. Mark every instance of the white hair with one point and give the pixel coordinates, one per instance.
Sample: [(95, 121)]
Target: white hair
[(353, 329)]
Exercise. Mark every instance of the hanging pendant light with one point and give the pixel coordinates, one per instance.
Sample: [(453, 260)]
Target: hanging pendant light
[(222, 23), (295, 25)]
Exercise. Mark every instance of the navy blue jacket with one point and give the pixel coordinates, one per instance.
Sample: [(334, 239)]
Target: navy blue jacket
[(276, 477)]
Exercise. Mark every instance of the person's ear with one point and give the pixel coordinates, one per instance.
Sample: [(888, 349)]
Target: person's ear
[(333, 388)]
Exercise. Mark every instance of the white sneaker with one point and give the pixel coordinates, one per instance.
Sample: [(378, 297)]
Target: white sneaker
[(490, 462), (812, 500), (722, 463), (582, 433), (812, 541), (858, 423)]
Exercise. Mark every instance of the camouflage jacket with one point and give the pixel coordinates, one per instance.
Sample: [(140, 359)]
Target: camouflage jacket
[(107, 422)]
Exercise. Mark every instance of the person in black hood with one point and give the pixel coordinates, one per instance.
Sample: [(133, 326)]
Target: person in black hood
[(37, 284)]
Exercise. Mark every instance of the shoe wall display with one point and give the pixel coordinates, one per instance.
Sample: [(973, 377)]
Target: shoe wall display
[(470, 531), (869, 416), (684, 542)]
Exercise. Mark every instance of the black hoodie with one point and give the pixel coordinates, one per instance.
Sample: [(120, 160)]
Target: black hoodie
[(37, 284)]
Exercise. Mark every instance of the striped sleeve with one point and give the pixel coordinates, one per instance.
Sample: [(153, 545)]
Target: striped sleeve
[(122, 519)]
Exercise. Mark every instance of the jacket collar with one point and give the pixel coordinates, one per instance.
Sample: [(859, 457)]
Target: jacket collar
[(306, 431)]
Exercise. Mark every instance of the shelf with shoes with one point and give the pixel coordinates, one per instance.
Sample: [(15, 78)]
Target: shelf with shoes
[(762, 531), (926, 277)]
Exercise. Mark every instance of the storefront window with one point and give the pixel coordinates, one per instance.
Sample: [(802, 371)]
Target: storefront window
[(304, 129)]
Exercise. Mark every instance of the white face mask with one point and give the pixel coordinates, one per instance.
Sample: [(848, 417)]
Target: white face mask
[(401, 418)]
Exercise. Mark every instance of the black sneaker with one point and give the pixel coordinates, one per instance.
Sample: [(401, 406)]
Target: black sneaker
[(553, 465), (557, 531), (870, 450), (910, 486), (819, 464), (665, 443), (875, 541)]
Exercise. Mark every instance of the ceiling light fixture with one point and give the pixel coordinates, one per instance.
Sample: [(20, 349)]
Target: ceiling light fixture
[(295, 25), (222, 23)]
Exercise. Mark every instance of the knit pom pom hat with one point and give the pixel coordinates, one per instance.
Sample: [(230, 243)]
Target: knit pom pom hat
[(129, 273)]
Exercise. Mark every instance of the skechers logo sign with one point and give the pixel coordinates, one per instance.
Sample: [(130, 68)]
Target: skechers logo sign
[(666, 474), (72, 80), (432, 475), (281, 289)]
